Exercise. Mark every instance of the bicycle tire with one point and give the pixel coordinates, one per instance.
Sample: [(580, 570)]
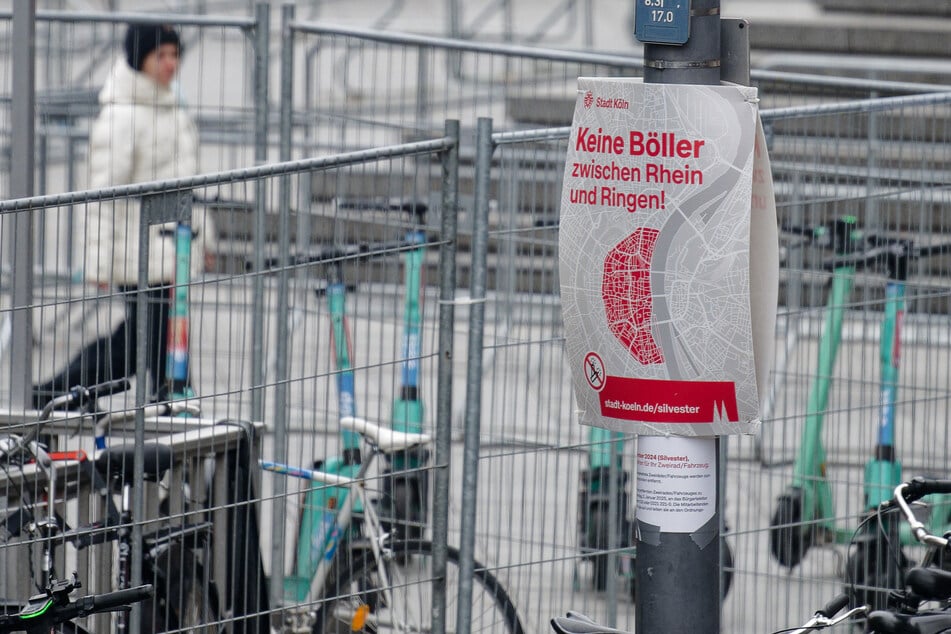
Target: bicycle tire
[(410, 576), (185, 597)]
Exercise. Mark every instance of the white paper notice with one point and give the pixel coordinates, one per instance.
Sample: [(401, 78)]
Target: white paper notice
[(668, 258), (676, 482)]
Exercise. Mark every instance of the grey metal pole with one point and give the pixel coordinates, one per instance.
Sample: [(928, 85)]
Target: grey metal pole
[(443, 445), (261, 60), (18, 227), (678, 574), (477, 290), (279, 518), (141, 396)]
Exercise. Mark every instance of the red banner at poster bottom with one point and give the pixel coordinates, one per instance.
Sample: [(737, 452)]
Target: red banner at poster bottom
[(658, 401)]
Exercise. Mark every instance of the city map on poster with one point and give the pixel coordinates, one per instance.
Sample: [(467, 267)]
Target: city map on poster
[(666, 187)]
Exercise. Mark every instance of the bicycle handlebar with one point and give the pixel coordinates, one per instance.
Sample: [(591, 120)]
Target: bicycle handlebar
[(85, 397), (412, 207), (908, 492), (119, 599), (334, 254), (826, 616), (926, 623)]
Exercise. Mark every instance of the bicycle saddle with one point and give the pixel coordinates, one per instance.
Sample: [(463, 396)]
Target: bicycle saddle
[(577, 623), (118, 462), (932, 584), (386, 439), (885, 622)]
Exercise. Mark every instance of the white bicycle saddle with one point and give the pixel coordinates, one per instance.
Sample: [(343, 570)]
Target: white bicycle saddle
[(386, 439)]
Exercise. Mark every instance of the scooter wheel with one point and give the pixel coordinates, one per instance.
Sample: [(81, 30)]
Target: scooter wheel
[(873, 570), (788, 538), (598, 538)]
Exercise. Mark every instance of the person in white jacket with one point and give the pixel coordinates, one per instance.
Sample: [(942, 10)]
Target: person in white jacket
[(142, 133)]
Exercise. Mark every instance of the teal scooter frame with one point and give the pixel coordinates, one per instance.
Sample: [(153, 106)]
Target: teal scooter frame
[(404, 494), (805, 511), (595, 496), (318, 510), (405, 502)]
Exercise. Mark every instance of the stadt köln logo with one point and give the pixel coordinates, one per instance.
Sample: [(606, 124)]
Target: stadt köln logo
[(588, 99)]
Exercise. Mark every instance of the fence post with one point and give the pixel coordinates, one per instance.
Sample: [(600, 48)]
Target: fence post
[(161, 208), (261, 59), (477, 290), (279, 516), (18, 226), (443, 446), (673, 564)]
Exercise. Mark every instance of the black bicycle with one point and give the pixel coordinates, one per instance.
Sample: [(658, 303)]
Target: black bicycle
[(175, 557)]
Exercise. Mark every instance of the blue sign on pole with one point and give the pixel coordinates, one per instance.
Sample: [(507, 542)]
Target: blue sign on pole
[(662, 21)]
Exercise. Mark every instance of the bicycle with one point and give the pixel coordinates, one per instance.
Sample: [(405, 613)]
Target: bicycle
[(372, 580), (175, 558), (53, 610), (804, 514)]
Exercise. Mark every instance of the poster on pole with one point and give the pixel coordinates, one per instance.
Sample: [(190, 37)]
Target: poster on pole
[(668, 257)]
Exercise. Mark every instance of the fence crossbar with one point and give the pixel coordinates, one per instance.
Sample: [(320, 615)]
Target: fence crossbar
[(284, 168)]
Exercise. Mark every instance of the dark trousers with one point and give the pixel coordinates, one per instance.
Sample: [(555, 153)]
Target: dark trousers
[(115, 356)]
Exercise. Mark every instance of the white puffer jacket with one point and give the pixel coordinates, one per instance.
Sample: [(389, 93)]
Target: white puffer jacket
[(142, 134)]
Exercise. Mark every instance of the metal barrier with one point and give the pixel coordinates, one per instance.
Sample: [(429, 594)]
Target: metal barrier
[(882, 161), (280, 294), (260, 322)]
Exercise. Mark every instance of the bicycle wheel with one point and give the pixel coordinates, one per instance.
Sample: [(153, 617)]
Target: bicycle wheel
[(185, 597), (359, 605)]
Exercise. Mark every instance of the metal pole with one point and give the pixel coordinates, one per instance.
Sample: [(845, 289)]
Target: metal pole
[(279, 518), (678, 574), (443, 445), (141, 396), (261, 44), (477, 289), (18, 227)]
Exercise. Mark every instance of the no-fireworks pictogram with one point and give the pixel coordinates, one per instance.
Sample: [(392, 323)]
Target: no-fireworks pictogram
[(594, 371)]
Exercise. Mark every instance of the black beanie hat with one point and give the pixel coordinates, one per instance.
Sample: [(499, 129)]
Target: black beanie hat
[(142, 39)]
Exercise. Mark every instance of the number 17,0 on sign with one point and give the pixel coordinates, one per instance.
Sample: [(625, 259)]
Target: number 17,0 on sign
[(662, 21)]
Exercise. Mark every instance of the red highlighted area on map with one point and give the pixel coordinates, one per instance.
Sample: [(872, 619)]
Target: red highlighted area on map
[(660, 401), (626, 291)]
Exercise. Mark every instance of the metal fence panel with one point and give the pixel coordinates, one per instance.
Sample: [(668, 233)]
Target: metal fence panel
[(880, 161), (359, 247)]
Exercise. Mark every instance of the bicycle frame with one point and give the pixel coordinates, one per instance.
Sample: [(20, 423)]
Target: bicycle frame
[(342, 519)]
